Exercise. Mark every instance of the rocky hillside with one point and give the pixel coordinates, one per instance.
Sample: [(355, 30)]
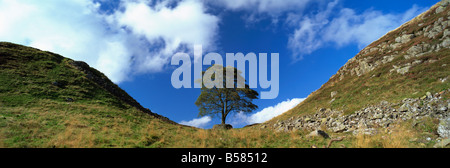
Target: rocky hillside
[(403, 75)]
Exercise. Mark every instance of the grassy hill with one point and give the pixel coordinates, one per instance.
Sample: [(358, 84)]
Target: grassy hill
[(47, 100)]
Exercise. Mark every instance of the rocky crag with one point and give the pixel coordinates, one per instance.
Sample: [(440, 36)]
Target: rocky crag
[(427, 33)]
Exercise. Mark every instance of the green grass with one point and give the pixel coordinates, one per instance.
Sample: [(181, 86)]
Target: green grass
[(34, 112)]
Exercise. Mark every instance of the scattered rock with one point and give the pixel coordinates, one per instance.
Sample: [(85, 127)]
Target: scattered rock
[(324, 120), (404, 70), (318, 133), (222, 127), (405, 38), (332, 100), (60, 84), (429, 95), (442, 143), (444, 128), (333, 93), (339, 128), (380, 115), (440, 9), (446, 43), (404, 108), (69, 99)]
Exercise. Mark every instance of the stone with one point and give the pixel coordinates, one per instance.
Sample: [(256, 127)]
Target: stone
[(440, 9), (333, 93), (417, 62), (403, 70), (446, 32), (69, 99), (395, 46), (444, 128), (222, 127), (429, 95), (414, 50), (323, 120), (423, 97), (446, 43), (307, 119), (318, 133), (443, 143), (56, 84), (444, 3), (405, 38), (371, 118), (404, 108), (339, 128), (332, 100)]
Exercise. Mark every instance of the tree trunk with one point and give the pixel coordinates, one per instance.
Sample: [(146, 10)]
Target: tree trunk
[(224, 112)]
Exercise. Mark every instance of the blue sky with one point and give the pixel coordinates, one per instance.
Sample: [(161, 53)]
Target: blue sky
[(132, 41)]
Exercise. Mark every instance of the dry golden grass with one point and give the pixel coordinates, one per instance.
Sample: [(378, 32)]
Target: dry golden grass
[(62, 125), (397, 137)]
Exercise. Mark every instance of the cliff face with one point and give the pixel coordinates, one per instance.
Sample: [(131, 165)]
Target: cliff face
[(408, 62)]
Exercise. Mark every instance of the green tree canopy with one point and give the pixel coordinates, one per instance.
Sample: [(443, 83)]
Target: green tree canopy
[(217, 100)]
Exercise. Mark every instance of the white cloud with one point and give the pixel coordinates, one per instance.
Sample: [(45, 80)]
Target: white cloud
[(169, 28), (342, 28), (197, 122), (263, 6), (258, 10), (138, 38), (266, 113), (358, 25), (71, 28)]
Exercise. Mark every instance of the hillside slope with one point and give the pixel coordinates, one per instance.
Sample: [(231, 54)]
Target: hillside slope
[(408, 62), (27, 72), (48, 100)]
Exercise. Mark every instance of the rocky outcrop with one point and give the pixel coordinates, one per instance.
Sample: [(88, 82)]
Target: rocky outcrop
[(381, 115), (222, 127), (405, 44)]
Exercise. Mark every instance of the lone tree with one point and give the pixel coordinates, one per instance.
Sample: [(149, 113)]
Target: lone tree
[(218, 98)]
